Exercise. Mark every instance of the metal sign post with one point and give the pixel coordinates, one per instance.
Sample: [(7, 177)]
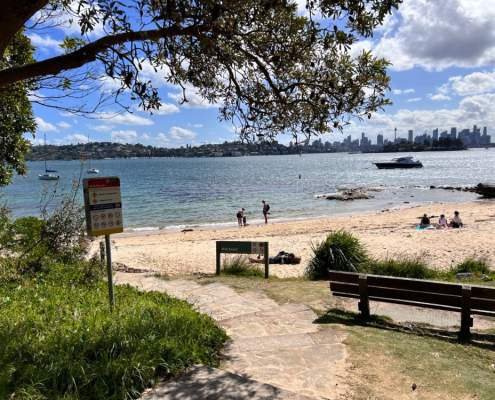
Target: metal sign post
[(103, 207), (242, 248)]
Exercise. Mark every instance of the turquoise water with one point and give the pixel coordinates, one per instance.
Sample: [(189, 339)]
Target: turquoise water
[(178, 192)]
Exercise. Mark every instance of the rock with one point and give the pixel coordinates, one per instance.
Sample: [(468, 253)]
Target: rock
[(346, 195), (414, 386)]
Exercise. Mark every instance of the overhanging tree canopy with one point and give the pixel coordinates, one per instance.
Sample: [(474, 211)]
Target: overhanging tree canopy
[(270, 69)]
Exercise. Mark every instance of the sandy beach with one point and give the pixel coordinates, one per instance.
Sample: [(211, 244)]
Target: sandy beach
[(385, 233)]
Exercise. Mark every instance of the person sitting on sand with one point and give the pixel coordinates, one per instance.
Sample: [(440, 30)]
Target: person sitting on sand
[(425, 221), (442, 222), (456, 221)]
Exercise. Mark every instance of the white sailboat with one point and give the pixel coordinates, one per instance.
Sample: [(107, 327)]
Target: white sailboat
[(91, 170), (49, 174)]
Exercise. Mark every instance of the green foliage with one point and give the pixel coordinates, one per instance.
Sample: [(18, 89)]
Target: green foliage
[(272, 69), (16, 116), (402, 267), (240, 266), (476, 266), (340, 251), (59, 340)]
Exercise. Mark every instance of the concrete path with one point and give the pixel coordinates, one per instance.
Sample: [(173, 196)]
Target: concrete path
[(276, 351)]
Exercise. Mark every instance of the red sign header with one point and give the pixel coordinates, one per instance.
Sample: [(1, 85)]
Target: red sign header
[(103, 182)]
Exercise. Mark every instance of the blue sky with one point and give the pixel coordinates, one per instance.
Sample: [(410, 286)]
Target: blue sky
[(443, 75)]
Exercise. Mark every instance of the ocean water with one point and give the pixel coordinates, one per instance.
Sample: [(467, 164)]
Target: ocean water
[(172, 193)]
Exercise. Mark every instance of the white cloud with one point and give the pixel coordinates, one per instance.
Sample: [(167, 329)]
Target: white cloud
[(475, 83), (162, 139), (439, 34), (478, 109), (403, 91), (64, 125), (414, 99), (194, 99), (124, 119), (181, 134), (45, 43), (76, 138), (101, 128), (44, 126), (124, 136), (440, 97), (165, 108)]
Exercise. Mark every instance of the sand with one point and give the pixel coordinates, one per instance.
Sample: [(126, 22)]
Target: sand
[(385, 233)]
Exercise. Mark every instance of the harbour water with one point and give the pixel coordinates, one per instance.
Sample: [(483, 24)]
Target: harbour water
[(172, 193)]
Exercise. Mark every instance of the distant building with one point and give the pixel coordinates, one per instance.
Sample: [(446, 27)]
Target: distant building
[(410, 136), (453, 133), (435, 134), (379, 140)]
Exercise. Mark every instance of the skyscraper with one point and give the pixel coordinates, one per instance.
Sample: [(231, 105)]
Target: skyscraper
[(410, 136), (379, 139), (435, 134), (453, 133)]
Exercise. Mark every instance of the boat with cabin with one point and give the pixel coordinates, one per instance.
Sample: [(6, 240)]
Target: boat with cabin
[(400, 162)]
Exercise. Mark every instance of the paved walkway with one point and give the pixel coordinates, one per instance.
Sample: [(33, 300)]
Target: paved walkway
[(276, 351)]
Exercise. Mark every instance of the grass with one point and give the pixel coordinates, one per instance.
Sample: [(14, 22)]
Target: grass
[(384, 355), (59, 340), (402, 267), (240, 266), (340, 251)]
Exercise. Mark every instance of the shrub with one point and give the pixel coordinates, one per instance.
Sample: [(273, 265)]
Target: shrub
[(476, 266), (60, 341), (402, 267), (340, 251), (240, 266)]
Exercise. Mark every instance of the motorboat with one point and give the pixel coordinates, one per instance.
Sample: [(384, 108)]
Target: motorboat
[(48, 177), (93, 171), (400, 162)]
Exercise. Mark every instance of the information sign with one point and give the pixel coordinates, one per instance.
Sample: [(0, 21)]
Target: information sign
[(260, 248), (103, 205)]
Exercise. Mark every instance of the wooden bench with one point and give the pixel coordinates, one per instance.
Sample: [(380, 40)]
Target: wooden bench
[(466, 299)]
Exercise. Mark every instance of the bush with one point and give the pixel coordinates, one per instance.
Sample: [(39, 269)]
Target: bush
[(403, 268), (476, 266), (340, 251), (240, 266), (60, 341)]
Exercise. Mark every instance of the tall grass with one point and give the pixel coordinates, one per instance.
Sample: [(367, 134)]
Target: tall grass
[(60, 341), (240, 266), (339, 251), (404, 267)]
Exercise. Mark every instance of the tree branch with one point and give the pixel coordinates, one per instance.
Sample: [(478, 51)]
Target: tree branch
[(88, 53)]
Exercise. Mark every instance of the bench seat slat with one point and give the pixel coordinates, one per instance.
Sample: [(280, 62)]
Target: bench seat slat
[(416, 296), (415, 285), (483, 292)]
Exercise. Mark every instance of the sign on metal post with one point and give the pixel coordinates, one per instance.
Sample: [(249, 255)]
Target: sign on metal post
[(103, 205), (103, 208), (232, 247)]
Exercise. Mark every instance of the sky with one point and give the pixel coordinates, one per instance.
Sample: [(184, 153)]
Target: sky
[(442, 75)]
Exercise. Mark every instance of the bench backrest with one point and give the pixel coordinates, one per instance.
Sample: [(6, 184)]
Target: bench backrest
[(422, 293)]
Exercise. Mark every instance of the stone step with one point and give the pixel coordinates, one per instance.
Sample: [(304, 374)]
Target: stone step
[(206, 383)]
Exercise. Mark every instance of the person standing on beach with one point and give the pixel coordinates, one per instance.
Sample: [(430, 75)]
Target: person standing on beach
[(240, 216), (244, 219), (266, 210)]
